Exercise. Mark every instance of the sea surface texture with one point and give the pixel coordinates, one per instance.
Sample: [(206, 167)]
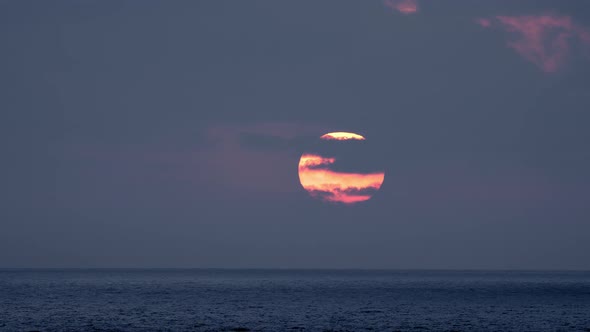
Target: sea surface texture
[(293, 300)]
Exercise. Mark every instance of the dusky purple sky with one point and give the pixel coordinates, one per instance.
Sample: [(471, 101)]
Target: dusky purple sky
[(167, 133)]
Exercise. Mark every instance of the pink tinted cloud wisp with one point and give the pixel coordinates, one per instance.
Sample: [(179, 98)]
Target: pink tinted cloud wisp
[(403, 6), (544, 40)]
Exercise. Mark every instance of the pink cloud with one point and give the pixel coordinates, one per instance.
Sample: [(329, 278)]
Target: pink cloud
[(544, 40), (484, 22), (403, 6)]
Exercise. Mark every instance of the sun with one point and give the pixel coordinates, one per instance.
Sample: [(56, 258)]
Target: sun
[(318, 176), (342, 136)]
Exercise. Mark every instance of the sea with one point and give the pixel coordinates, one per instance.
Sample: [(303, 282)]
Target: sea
[(292, 300)]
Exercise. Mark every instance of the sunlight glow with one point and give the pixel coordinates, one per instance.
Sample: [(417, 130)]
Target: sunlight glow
[(332, 186), (342, 136)]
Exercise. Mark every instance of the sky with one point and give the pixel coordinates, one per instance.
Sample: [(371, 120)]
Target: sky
[(168, 133)]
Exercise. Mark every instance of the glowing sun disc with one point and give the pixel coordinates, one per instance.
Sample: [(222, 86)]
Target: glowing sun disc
[(342, 136), (328, 185)]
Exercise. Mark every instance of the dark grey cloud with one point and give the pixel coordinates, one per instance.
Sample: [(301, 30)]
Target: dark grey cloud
[(296, 145)]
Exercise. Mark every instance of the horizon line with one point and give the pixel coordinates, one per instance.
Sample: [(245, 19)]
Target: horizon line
[(307, 269)]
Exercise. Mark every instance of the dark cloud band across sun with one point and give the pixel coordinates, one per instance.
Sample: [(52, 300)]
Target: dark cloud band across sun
[(332, 186)]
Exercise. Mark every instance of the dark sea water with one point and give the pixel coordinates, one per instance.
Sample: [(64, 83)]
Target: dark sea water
[(293, 300)]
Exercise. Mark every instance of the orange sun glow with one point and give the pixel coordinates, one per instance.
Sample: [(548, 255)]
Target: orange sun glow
[(342, 136)]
